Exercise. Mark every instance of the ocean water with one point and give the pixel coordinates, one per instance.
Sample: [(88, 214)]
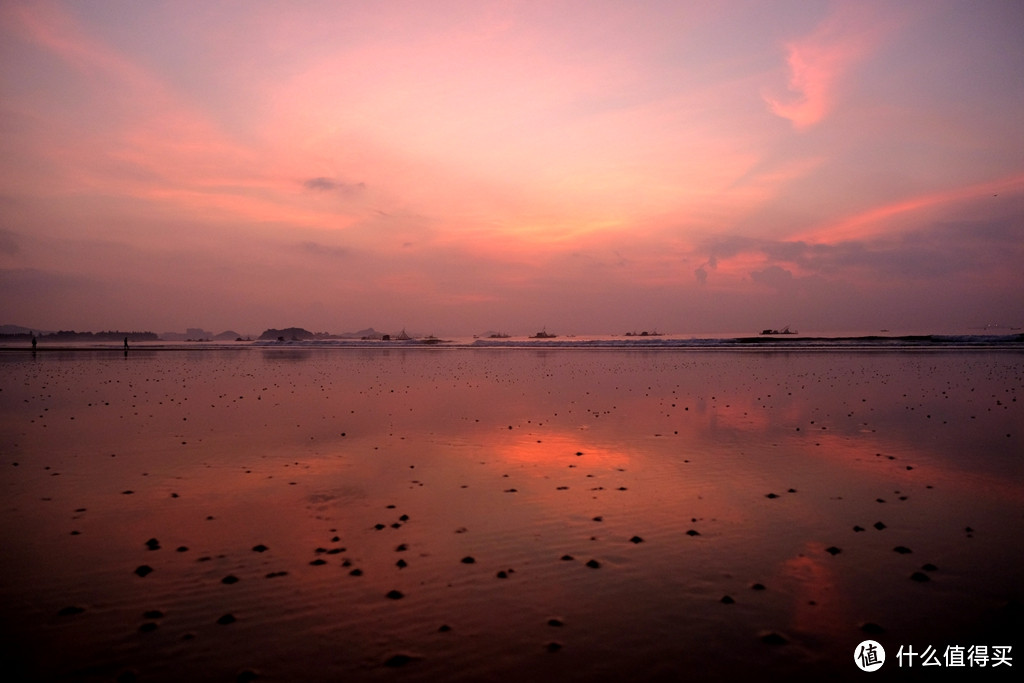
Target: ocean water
[(460, 512)]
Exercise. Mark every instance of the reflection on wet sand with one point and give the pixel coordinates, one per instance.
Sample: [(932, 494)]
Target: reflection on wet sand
[(468, 514)]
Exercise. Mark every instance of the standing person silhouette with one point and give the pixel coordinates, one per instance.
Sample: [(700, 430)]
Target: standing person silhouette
[(126, 346)]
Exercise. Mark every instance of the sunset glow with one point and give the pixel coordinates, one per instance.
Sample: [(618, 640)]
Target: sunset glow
[(455, 167)]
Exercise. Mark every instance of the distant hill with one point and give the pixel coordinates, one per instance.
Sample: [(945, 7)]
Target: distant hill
[(289, 333), (16, 329), (229, 335)]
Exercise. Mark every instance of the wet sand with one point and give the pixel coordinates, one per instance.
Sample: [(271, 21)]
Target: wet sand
[(516, 514)]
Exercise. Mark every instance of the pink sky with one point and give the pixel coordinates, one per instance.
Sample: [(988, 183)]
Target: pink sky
[(458, 167)]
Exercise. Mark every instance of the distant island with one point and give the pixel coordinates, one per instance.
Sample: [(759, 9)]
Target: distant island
[(72, 335), (302, 334)]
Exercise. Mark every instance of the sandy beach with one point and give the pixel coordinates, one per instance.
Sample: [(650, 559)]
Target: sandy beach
[(289, 514)]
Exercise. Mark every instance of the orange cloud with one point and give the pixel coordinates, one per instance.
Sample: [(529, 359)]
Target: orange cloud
[(877, 220)]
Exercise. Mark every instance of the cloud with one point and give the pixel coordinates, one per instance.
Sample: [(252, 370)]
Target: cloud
[(9, 243), (324, 184), (775, 277), (325, 250), (818, 62)]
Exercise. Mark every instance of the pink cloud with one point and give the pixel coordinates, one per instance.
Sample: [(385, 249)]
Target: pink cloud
[(818, 63)]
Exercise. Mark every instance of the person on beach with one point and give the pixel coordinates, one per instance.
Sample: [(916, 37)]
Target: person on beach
[(126, 344), (34, 343)]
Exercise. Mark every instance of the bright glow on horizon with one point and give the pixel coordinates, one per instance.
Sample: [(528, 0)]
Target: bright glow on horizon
[(472, 166)]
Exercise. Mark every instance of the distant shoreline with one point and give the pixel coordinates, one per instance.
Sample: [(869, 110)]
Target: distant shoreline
[(1005, 342)]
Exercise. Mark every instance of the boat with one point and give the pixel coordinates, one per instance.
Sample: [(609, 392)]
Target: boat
[(784, 330), (543, 334)]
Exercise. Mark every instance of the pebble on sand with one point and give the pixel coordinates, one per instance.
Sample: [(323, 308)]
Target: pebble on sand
[(920, 577), (400, 659), (226, 619), (727, 600), (469, 559), (903, 550), (70, 611), (143, 570), (260, 548), (395, 595), (833, 550), (229, 579), (773, 638), (593, 564), (636, 539), (879, 526), (153, 544)]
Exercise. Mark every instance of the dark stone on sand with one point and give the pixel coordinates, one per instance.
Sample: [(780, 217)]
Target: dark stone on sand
[(404, 518), (879, 526), (356, 572), (727, 600), (902, 550), (468, 560), (872, 628), (274, 575), (70, 611), (148, 627), (919, 577), (153, 544), (229, 579), (693, 532), (511, 491), (593, 564), (599, 518), (929, 567), (833, 550), (153, 614), (555, 622), (246, 675), (773, 638), (636, 539), (260, 548), (567, 558), (444, 628), (401, 659), (771, 495), (401, 548), (553, 646), (791, 491), (395, 595), (318, 561), (227, 619), (757, 587), (858, 528), (182, 548), (143, 570), (378, 527), (502, 574), (401, 564)]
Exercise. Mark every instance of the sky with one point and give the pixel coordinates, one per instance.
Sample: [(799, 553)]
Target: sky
[(458, 167)]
